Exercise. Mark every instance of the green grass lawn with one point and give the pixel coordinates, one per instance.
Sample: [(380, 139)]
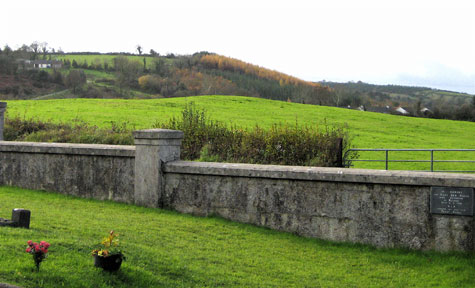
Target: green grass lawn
[(167, 249), (93, 75), (369, 130)]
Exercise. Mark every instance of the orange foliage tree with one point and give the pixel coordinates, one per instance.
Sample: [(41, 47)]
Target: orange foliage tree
[(214, 61)]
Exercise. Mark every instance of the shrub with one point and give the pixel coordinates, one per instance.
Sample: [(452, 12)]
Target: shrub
[(209, 140), (34, 130)]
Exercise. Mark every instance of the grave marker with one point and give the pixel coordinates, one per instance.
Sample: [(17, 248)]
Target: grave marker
[(20, 218)]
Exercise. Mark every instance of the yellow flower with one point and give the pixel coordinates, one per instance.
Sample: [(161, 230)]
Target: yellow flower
[(103, 253)]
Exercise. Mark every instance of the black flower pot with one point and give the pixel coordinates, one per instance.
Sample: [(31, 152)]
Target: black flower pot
[(110, 263)]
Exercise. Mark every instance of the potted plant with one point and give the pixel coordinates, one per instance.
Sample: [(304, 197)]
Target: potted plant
[(109, 257)]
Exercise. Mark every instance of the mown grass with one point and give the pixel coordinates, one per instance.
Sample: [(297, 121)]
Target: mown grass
[(167, 249), (369, 130)]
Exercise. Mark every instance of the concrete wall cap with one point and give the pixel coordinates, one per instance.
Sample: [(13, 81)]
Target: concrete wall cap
[(68, 149), (158, 134), (322, 174)]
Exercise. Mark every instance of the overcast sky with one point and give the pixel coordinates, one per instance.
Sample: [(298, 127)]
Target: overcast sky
[(417, 42)]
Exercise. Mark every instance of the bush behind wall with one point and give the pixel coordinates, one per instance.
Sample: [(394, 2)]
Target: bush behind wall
[(205, 139), (208, 140)]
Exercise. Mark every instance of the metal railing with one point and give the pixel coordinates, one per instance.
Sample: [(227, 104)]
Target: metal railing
[(347, 162)]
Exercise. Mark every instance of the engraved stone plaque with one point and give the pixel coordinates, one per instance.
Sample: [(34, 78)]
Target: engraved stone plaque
[(452, 201)]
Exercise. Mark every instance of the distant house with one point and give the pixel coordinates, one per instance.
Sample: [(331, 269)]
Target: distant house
[(401, 110), (426, 111), (41, 64), (361, 108)]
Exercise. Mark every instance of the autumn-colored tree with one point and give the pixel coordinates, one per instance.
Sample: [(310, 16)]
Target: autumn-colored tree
[(214, 61), (267, 83), (191, 79)]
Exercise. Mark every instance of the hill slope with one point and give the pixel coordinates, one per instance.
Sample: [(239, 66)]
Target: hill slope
[(442, 104), (370, 130), (128, 76)]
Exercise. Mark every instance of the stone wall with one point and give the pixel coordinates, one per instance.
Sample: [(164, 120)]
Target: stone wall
[(381, 208), (95, 171)]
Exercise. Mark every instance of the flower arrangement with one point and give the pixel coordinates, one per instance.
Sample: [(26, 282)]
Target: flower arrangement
[(39, 251), (110, 246), (109, 256)]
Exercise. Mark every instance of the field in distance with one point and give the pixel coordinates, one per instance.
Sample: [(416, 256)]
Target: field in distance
[(369, 130), (106, 58)]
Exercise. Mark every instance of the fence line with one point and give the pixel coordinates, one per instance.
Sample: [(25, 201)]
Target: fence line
[(348, 162)]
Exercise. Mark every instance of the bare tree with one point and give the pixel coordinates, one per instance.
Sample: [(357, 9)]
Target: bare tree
[(127, 71), (44, 48), (7, 50), (75, 79), (35, 48), (139, 49)]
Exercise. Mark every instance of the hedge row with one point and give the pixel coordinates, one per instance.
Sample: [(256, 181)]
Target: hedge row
[(205, 139)]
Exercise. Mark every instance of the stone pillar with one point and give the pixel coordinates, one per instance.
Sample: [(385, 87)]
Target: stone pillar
[(153, 148), (3, 107)]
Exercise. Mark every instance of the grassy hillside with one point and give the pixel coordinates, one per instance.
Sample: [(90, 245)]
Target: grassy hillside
[(369, 130), (128, 76), (102, 58), (443, 104), (167, 249)]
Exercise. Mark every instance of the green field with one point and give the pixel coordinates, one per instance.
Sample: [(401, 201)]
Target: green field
[(109, 59), (369, 130), (167, 249)]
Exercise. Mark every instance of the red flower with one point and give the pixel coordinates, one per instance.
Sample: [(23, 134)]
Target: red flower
[(30, 242), (28, 250)]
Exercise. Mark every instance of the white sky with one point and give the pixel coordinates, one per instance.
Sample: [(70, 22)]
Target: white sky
[(418, 42)]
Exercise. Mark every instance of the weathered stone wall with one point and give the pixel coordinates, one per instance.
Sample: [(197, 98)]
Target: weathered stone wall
[(382, 208), (94, 171)]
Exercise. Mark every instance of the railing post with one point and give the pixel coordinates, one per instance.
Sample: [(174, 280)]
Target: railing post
[(3, 107), (339, 152), (153, 148), (387, 156), (431, 160)]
